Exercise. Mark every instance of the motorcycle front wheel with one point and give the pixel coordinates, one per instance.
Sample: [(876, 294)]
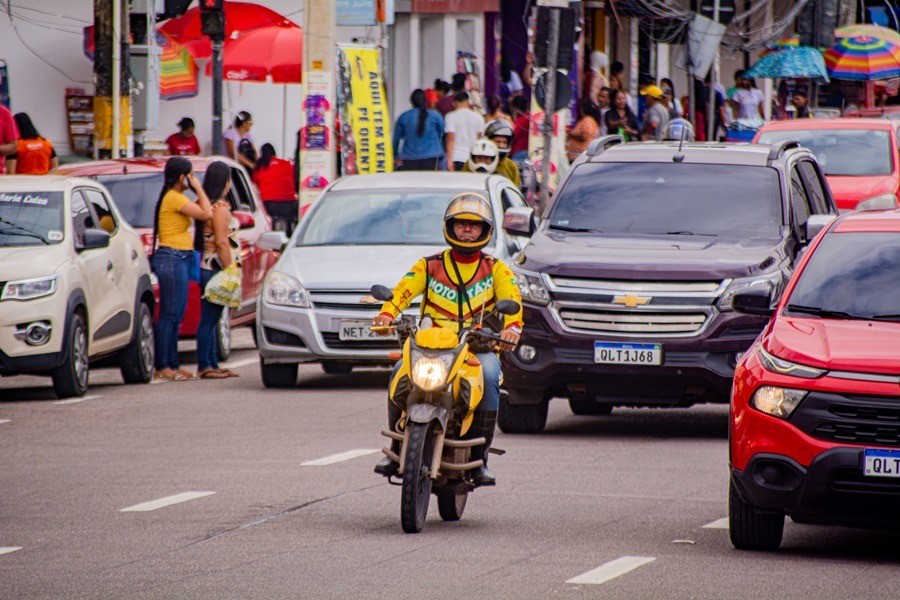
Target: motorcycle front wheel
[(451, 506), (416, 491)]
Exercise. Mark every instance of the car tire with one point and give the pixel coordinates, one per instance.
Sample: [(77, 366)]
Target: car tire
[(136, 359), (223, 336), (522, 418), (71, 378), (337, 368), (254, 335), (278, 375), (588, 407), (749, 529)]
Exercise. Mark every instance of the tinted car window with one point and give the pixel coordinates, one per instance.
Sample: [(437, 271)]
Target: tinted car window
[(670, 198), (854, 273), (814, 188), (799, 201), (30, 218), (106, 219), (842, 151), (136, 195)]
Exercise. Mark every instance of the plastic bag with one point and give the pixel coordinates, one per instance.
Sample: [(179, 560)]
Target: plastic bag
[(224, 287)]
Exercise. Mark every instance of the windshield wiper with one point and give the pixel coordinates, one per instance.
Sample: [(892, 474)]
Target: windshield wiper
[(821, 312), (886, 317), (16, 230), (575, 229), (689, 233)]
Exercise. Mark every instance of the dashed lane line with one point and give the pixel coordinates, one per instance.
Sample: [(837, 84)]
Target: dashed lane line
[(336, 458), (8, 549), (4, 421), (717, 524), (77, 400), (611, 570), (167, 501)]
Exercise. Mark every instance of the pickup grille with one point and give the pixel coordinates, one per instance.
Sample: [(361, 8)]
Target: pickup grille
[(643, 323), (866, 420)]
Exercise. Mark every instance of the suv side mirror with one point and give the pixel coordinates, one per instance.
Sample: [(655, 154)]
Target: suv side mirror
[(519, 221), (755, 301), (273, 240), (815, 224), (244, 219), (94, 238)]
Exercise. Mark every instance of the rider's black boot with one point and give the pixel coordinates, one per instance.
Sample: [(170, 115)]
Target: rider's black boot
[(483, 426), (387, 466)]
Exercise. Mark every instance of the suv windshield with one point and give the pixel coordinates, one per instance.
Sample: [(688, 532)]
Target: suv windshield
[(670, 199), (378, 217), (851, 275), (842, 151), (31, 218), (136, 195)]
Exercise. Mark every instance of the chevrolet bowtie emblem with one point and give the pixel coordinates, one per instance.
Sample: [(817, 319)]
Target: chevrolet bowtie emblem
[(632, 301), (368, 300)]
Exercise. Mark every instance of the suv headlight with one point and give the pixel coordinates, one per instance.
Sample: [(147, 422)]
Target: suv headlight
[(776, 401), (786, 367), (774, 282), (29, 289), (532, 287), (429, 372), (284, 290)]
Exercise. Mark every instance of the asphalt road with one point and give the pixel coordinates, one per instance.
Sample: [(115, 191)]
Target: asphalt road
[(635, 498)]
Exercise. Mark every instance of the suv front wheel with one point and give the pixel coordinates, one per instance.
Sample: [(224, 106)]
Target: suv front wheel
[(751, 530), (522, 411), (71, 377)]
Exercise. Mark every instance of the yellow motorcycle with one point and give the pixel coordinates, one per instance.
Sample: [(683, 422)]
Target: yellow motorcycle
[(437, 388)]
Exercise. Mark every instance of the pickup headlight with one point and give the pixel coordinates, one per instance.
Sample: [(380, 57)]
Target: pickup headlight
[(430, 372), (532, 287), (776, 401), (284, 290), (786, 367), (29, 289), (774, 282)]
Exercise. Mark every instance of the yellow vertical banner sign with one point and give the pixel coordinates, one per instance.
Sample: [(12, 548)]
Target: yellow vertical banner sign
[(366, 145)]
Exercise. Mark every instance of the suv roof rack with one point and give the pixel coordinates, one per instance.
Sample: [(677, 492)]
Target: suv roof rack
[(602, 143), (779, 148)]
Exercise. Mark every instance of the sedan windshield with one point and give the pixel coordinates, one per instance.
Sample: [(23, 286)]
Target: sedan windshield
[(378, 217), (670, 199), (842, 151), (31, 218), (136, 195), (851, 275)]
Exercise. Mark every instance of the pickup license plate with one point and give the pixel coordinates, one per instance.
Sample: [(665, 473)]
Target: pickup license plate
[(358, 330), (882, 463), (610, 353)]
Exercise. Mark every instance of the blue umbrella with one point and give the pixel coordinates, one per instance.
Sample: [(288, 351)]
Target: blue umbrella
[(803, 61)]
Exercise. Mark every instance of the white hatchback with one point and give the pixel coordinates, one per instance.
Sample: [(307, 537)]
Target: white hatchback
[(74, 284)]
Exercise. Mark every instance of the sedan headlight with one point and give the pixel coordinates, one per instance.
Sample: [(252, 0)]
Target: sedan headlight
[(786, 367), (284, 290), (774, 282), (776, 401), (532, 287), (430, 372), (29, 289)]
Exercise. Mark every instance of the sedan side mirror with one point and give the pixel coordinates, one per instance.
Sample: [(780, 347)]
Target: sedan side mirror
[(94, 238), (755, 301), (815, 224), (273, 240), (519, 221), (244, 219)]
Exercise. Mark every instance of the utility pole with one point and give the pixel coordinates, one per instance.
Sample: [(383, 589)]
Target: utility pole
[(112, 101), (713, 76), (549, 109), (212, 25)]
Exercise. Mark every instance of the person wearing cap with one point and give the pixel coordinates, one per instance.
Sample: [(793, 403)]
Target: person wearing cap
[(656, 117), (458, 284)]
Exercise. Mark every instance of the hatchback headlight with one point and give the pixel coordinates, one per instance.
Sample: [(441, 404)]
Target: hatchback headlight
[(430, 372), (29, 289), (776, 401), (773, 282), (786, 367), (284, 290), (532, 287)]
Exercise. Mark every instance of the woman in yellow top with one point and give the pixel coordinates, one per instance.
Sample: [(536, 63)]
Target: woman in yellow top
[(175, 214)]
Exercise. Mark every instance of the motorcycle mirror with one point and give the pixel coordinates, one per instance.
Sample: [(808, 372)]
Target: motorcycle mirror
[(380, 292), (507, 307)]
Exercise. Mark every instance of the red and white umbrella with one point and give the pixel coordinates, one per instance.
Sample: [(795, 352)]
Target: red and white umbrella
[(268, 54)]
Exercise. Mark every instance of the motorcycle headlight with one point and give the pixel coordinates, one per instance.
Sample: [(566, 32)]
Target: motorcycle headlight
[(284, 290), (773, 282), (429, 372), (29, 289), (786, 367), (776, 401), (532, 287)]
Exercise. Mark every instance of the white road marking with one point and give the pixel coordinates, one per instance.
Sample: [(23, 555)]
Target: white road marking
[(9, 549), (77, 400), (5, 420), (157, 381), (336, 458), (240, 363), (717, 524), (611, 570), (167, 501)]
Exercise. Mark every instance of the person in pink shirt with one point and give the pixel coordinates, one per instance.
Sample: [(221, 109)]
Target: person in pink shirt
[(9, 136)]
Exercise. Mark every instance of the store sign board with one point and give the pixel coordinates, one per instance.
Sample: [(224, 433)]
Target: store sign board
[(455, 6), (361, 13)]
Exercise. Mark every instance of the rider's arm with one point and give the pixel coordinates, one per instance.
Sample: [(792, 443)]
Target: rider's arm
[(411, 286), (505, 288)]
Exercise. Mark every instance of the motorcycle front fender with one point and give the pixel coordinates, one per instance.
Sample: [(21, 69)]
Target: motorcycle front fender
[(426, 413)]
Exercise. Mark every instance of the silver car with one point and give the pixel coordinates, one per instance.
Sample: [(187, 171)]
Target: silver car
[(363, 230)]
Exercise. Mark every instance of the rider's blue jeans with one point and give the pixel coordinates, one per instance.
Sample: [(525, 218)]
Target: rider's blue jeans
[(491, 371)]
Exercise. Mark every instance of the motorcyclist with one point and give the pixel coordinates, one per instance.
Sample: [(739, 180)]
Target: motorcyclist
[(458, 284), (486, 156)]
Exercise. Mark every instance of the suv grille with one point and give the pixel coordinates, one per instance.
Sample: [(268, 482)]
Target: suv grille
[(631, 322), (872, 420)]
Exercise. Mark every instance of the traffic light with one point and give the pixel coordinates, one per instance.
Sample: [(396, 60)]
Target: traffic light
[(212, 19), (566, 43)]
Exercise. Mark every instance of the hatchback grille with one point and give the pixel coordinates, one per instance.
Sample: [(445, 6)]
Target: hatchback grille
[(646, 323), (332, 340), (344, 300), (865, 420)]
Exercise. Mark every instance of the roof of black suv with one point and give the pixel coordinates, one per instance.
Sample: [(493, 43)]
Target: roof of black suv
[(692, 152)]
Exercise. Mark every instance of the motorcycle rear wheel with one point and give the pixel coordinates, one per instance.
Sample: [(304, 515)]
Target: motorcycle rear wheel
[(451, 506), (416, 490)]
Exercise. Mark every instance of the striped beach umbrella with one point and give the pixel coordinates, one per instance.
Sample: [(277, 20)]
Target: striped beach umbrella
[(875, 31), (863, 58)]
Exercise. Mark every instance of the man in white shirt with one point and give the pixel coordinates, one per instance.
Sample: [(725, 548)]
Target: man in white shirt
[(462, 126), (747, 101)]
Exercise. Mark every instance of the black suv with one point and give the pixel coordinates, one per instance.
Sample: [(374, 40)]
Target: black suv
[(629, 277)]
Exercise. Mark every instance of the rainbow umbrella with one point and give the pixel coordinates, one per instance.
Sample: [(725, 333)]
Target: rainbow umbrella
[(863, 58), (783, 44), (875, 31)]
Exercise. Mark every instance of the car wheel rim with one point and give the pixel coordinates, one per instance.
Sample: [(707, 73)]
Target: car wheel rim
[(79, 351), (225, 330), (146, 343)]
